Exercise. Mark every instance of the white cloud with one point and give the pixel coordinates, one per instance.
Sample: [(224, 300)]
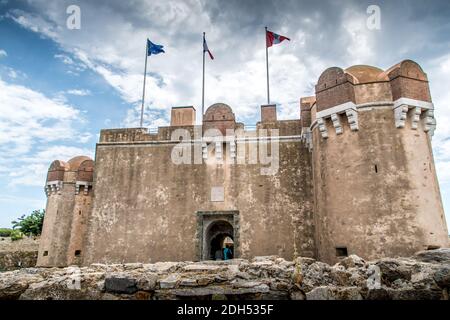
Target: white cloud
[(33, 168), (79, 92), (30, 125), (3, 53), (236, 76)]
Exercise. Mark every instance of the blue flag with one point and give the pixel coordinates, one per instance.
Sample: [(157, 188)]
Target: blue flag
[(154, 48)]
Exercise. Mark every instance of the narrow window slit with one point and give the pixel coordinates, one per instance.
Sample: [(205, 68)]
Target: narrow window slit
[(341, 252)]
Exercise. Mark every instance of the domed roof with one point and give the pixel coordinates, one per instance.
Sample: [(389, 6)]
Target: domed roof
[(407, 68), (75, 162), (366, 74), (58, 165), (219, 111)]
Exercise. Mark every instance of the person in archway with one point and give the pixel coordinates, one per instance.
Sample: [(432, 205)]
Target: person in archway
[(227, 253)]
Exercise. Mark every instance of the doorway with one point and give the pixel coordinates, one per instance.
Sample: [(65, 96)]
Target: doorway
[(216, 229), (216, 234)]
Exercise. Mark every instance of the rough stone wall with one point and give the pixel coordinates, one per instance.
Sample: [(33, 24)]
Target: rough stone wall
[(145, 206), (18, 254), (424, 276), (56, 230), (81, 212)]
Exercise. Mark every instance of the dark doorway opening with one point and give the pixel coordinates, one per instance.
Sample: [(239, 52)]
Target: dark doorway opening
[(217, 233)]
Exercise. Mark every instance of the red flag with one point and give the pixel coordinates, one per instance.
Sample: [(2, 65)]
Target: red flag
[(206, 49), (273, 38)]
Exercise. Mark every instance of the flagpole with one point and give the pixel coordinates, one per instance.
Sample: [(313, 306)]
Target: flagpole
[(267, 69), (143, 90), (203, 82)]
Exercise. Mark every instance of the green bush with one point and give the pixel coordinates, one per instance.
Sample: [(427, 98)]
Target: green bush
[(16, 235), (30, 225), (5, 232)]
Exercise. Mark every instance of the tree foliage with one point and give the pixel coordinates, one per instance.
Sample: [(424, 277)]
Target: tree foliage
[(5, 232), (31, 224), (16, 235)]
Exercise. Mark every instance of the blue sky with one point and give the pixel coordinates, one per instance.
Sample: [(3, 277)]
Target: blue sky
[(59, 87)]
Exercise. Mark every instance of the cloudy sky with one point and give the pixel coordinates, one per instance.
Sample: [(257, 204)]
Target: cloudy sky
[(59, 87)]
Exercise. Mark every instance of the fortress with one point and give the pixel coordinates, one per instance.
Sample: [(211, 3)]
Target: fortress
[(354, 174)]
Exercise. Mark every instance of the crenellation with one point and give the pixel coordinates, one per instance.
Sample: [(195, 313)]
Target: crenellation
[(322, 127), (430, 122), (401, 113), (336, 123), (352, 118), (415, 118)]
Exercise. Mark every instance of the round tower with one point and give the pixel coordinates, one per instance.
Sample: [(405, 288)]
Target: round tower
[(375, 184), (68, 202)]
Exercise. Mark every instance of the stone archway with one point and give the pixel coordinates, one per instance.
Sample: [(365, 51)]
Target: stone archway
[(215, 235), (212, 228)]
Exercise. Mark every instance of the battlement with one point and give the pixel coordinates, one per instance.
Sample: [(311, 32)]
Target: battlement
[(78, 170), (342, 94), (218, 118)]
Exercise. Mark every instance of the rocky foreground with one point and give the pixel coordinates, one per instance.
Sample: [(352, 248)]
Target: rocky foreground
[(426, 275)]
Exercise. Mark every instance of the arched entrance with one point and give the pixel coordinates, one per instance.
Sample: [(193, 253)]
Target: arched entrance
[(216, 233), (215, 227)]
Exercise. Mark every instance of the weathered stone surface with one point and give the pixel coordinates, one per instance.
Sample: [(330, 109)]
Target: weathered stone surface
[(120, 285), (392, 270), (169, 282), (351, 262), (334, 293), (261, 278), (17, 259), (18, 254), (438, 255), (442, 276)]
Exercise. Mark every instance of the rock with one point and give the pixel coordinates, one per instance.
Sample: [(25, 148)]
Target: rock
[(246, 284), (434, 256), (132, 266), (377, 294), (143, 295), (414, 294), (203, 281), (188, 282), (13, 284), (169, 282), (146, 281), (352, 261), (162, 267), (442, 276), (262, 278), (304, 261), (12, 260), (120, 285), (264, 259), (334, 293), (392, 270), (203, 267), (297, 295)]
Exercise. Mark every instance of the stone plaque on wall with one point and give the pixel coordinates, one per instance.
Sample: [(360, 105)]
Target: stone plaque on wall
[(217, 194)]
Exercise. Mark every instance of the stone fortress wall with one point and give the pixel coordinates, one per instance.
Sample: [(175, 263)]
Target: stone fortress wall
[(355, 176)]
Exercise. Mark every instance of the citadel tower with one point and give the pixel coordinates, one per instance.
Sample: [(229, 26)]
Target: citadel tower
[(376, 190)]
